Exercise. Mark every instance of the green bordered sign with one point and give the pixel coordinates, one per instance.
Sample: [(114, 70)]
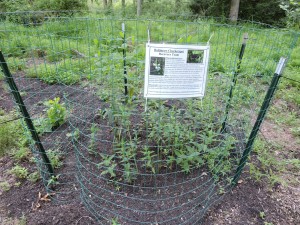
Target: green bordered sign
[(175, 71)]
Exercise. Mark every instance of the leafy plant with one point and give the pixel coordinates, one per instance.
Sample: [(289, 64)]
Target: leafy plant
[(53, 180), (19, 172), (114, 221), (92, 142), (20, 153), (34, 177), (5, 186), (55, 157), (108, 165), (10, 133), (56, 112)]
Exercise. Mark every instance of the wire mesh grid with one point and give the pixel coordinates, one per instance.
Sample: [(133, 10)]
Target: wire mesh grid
[(167, 165)]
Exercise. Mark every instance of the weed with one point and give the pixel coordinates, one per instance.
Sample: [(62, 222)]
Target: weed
[(114, 221), (269, 166), (23, 220), (262, 215), (5, 186), (10, 133), (19, 172), (17, 184), (75, 134), (108, 165), (56, 112), (21, 153), (92, 142), (67, 72), (53, 181), (42, 125), (34, 177), (55, 157), (16, 64)]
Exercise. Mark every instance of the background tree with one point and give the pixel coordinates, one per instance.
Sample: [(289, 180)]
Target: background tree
[(110, 3), (264, 11), (105, 3), (139, 7), (234, 10), (292, 10)]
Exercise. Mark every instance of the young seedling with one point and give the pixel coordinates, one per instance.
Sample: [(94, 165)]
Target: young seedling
[(56, 112)]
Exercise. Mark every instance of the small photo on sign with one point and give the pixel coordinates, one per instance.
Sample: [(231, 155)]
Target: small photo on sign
[(157, 66), (195, 56)]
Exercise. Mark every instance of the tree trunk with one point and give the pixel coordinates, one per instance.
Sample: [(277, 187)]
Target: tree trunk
[(234, 10), (177, 5), (105, 3), (109, 3), (139, 7), (123, 4)]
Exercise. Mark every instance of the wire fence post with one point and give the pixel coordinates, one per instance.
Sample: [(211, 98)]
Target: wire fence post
[(234, 80), (263, 110), (124, 63), (23, 109)]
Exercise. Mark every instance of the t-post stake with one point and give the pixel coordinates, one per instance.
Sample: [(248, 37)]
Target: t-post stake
[(234, 80), (29, 123), (124, 62), (260, 118)]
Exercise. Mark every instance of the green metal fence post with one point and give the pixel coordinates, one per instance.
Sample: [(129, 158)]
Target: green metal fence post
[(259, 120), (124, 61), (234, 80), (29, 123)]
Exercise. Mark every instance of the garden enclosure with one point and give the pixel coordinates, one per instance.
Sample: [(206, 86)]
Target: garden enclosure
[(81, 81)]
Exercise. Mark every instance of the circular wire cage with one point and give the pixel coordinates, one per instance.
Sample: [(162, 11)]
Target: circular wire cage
[(165, 165)]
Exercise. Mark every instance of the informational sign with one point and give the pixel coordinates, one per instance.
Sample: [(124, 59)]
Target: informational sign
[(175, 71)]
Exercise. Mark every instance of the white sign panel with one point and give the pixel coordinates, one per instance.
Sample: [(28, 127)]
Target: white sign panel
[(175, 71)]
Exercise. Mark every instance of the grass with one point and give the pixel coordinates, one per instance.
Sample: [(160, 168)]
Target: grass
[(9, 138), (275, 161), (65, 72), (19, 171)]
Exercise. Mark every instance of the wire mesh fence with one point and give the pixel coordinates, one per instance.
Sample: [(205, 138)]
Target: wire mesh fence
[(166, 165)]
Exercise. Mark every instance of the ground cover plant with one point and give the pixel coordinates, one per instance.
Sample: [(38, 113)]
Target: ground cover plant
[(71, 72)]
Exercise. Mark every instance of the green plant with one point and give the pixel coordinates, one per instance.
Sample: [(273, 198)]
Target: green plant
[(5, 186), (75, 134), (34, 177), (56, 112), (267, 223), (10, 134), (53, 180), (108, 165), (114, 221), (92, 142), (262, 215), (20, 153), (42, 125), (55, 157), (19, 171), (68, 71), (292, 10), (23, 220)]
